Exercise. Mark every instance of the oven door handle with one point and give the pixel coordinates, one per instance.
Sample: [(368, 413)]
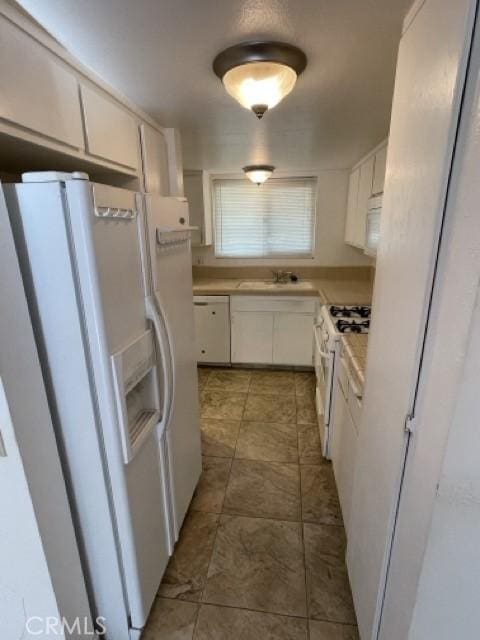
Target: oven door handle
[(321, 353)]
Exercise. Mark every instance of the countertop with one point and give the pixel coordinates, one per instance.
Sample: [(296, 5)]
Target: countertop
[(355, 350), (329, 290)]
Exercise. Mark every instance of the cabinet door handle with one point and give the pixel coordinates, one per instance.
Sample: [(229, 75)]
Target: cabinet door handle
[(201, 304)]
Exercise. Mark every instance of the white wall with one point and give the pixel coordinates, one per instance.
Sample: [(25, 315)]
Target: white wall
[(330, 249)]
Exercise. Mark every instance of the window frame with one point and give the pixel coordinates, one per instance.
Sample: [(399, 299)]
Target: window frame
[(279, 175)]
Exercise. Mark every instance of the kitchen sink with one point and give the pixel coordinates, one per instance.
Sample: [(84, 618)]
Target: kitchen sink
[(278, 286)]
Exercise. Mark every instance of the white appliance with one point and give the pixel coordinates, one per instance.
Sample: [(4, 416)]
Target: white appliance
[(372, 232), (331, 322), (170, 304), (107, 306), (41, 573), (212, 329)]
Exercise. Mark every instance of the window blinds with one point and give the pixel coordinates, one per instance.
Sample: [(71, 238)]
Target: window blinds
[(276, 219)]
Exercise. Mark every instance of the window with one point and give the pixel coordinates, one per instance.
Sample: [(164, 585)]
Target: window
[(276, 219)]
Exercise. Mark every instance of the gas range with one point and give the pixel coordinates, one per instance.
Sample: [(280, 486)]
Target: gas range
[(342, 319), (350, 318)]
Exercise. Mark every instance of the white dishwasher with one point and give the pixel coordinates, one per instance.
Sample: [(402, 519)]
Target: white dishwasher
[(212, 329)]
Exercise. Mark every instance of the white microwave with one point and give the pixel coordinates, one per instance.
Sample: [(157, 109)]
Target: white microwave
[(372, 229)]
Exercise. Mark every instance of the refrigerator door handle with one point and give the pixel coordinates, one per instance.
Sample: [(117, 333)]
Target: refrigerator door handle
[(153, 314)]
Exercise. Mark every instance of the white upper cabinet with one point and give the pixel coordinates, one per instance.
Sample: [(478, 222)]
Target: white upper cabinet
[(155, 161), (197, 191), (37, 91), (379, 170), (365, 180), (352, 206), (175, 161), (111, 132)]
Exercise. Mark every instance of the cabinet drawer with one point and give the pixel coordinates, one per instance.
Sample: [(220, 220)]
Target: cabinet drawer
[(111, 131), (290, 304)]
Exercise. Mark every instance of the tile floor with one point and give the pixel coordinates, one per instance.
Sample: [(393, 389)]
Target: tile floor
[(261, 552)]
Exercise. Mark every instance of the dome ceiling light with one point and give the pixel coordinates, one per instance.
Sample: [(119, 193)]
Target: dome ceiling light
[(259, 74), (258, 173)]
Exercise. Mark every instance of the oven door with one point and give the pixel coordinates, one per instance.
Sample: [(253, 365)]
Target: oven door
[(324, 373)]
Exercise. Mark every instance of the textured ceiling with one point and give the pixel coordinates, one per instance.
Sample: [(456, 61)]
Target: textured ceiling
[(159, 53)]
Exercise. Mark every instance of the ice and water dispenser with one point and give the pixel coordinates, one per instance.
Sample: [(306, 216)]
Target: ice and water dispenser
[(137, 392)]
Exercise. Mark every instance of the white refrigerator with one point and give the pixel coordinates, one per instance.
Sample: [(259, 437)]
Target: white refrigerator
[(108, 302)]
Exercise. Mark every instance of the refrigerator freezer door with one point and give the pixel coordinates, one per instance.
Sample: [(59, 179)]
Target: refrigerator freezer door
[(84, 274), (105, 233), (171, 283)]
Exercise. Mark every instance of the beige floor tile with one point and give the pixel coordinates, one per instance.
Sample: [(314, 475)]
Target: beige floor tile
[(319, 495), (171, 620), (263, 489), (219, 437), (309, 449), (203, 374), (229, 379), (270, 441), (272, 377), (222, 405), (329, 595), (258, 564), (304, 383), (187, 570), (273, 383), (332, 631), (306, 410), (222, 623), (270, 408), (210, 491)]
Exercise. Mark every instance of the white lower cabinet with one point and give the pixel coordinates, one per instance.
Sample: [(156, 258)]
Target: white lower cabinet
[(252, 337), (272, 330), (292, 338), (212, 329), (346, 413)]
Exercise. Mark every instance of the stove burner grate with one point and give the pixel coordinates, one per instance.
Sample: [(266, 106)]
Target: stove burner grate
[(350, 311), (352, 326)]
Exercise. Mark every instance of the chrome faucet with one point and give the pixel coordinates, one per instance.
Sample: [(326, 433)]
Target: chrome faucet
[(282, 276)]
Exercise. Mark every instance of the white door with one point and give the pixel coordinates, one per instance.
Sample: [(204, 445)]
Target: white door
[(172, 293), (252, 337), (293, 339), (212, 329), (435, 557), (428, 87)]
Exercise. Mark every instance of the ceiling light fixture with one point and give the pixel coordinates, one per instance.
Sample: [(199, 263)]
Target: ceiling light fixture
[(259, 74), (258, 173)]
